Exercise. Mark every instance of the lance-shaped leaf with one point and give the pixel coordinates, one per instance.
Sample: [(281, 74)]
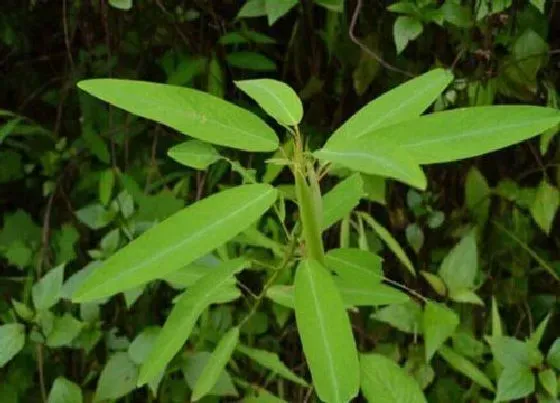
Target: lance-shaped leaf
[(355, 265), (341, 200), (189, 111), (326, 335), (179, 324), (466, 367), (177, 241), (375, 155), (352, 294), (390, 241), (272, 362), (216, 364), (461, 133), (277, 99), (404, 102)]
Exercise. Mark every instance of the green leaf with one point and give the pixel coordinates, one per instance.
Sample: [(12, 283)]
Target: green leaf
[(496, 319), (440, 323), (406, 29), (465, 296), (12, 340), (355, 294), (326, 335), (405, 317), (278, 8), (460, 266), (355, 265), (374, 188), (536, 337), (121, 4), (252, 61), (547, 378), (195, 154), (253, 8), (193, 368), (65, 329), (189, 111), (216, 364), (141, 346), (375, 156), (465, 132), (352, 294), (435, 282), (277, 99), (415, 237), (333, 5), (179, 240), (515, 383), (513, 353), (539, 4), (65, 391), (46, 292), (341, 200), (118, 378), (271, 361), (466, 367), (545, 206), (553, 356), (477, 195), (391, 242), (185, 313), (95, 216), (384, 381), (106, 183)]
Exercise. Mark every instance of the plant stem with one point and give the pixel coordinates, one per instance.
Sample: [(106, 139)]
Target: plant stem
[(309, 202)]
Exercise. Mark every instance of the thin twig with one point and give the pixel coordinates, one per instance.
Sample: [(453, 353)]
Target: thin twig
[(367, 50)]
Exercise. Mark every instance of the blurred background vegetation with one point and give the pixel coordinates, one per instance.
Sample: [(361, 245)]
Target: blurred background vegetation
[(79, 179)]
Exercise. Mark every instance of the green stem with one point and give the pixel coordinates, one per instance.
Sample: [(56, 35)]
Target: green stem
[(309, 203)]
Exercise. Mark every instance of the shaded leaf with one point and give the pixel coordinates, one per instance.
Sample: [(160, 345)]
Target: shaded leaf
[(466, 367), (251, 61), (440, 323), (65, 391), (271, 361), (545, 206), (515, 383), (384, 381), (195, 154), (278, 8), (46, 292), (185, 313), (12, 340), (216, 364), (117, 379)]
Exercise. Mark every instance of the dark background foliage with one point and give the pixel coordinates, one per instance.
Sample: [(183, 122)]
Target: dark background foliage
[(79, 179)]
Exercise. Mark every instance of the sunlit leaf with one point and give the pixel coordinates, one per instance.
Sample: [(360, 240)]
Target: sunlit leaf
[(341, 200), (440, 323), (325, 332), (189, 111), (175, 242), (278, 99)]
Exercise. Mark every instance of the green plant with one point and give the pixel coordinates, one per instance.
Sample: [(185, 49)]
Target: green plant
[(388, 138)]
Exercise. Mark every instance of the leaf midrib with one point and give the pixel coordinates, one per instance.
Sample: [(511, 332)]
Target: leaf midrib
[(165, 251), (325, 341)]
